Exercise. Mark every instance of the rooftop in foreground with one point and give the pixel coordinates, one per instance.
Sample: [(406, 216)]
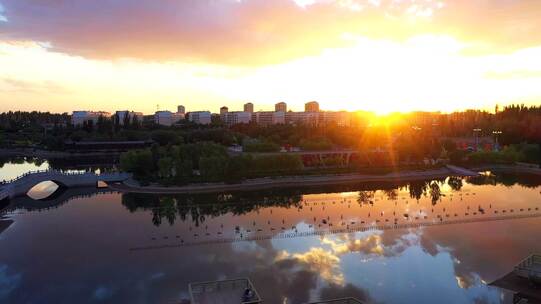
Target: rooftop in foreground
[(223, 292), (339, 301), (524, 280)]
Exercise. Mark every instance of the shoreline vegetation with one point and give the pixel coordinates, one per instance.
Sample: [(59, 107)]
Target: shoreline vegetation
[(206, 162), (291, 181)]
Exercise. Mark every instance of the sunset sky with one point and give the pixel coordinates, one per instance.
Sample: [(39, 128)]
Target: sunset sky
[(380, 55)]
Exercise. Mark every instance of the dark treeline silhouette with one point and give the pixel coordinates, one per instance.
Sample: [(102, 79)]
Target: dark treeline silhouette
[(518, 123), (15, 121)]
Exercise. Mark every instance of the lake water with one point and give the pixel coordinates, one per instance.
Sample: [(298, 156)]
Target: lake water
[(92, 246)]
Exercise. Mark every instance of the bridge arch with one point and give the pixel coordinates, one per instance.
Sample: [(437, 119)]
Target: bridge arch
[(21, 185), (46, 190)]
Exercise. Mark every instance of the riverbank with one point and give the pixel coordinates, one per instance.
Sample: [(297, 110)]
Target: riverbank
[(291, 181), (519, 168)]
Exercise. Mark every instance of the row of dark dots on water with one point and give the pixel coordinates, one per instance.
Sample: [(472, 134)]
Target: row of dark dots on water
[(286, 235), (308, 202), (481, 210), (326, 222), (383, 198), (371, 202)]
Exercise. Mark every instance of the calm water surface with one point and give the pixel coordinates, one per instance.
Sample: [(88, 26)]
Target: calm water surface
[(83, 246)]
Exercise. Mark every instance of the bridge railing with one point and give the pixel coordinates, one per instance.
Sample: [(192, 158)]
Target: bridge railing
[(4, 193), (53, 171)]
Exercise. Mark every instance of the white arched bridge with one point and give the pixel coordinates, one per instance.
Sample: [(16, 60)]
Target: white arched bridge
[(22, 184)]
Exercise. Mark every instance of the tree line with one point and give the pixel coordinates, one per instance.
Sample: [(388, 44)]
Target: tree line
[(203, 162)]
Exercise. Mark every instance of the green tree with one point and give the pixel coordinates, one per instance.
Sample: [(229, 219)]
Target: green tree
[(166, 137), (212, 168), (165, 168), (183, 171), (236, 169), (138, 162)]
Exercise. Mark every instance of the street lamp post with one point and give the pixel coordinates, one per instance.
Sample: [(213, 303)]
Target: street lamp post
[(496, 143), (476, 132)]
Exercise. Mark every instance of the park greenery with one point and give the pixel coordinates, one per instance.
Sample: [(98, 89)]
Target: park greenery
[(186, 152), (527, 153), (203, 162)]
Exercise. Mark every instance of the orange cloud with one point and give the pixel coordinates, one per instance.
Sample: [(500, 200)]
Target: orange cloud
[(259, 32)]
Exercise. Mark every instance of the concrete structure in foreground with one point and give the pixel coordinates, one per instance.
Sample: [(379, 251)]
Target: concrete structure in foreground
[(21, 185), (224, 292), (524, 281)]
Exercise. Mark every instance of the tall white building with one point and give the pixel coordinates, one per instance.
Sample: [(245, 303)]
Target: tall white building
[(167, 118), (306, 118), (266, 118), (200, 117), (181, 109), (237, 117), (224, 110), (280, 107), (79, 117), (249, 107), (130, 114), (312, 106), (340, 118)]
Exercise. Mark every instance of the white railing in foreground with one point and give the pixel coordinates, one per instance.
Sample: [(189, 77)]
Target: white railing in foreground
[(60, 172)]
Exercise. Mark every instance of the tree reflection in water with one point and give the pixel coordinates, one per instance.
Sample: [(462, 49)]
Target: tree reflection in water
[(435, 192), (455, 183), (366, 197), (391, 194), (199, 207)]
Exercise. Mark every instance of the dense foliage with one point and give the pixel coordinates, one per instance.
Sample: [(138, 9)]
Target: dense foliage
[(203, 162), (515, 153)]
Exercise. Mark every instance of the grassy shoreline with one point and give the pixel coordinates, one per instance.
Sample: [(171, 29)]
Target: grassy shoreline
[(287, 182)]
